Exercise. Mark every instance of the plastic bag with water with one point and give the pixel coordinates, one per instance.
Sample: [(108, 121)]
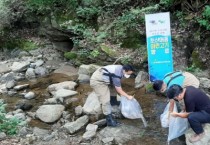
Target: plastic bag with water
[(131, 109), (177, 126)]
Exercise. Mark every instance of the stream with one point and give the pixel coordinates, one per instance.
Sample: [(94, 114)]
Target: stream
[(151, 104)]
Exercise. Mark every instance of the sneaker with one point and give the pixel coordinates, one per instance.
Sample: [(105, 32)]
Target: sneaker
[(196, 137)]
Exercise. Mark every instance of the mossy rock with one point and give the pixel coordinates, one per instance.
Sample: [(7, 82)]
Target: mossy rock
[(108, 50), (70, 55), (196, 61)]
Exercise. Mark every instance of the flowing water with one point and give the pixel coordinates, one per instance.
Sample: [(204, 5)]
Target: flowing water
[(151, 104)]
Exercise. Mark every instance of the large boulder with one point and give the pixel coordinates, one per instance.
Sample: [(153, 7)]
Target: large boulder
[(92, 105), (50, 113)]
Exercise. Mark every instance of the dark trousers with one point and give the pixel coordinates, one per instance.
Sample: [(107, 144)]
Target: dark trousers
[(196, 119)]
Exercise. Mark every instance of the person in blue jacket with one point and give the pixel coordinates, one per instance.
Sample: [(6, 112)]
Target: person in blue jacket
[(183, 79)]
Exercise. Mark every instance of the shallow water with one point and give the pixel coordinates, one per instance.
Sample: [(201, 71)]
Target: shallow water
[(151, 104)]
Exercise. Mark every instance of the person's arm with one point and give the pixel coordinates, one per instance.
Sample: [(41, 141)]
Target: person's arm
[(171, 106), (123, 93), (181, 114)]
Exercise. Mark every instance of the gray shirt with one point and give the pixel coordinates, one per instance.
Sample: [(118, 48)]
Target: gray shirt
[(115, 69)]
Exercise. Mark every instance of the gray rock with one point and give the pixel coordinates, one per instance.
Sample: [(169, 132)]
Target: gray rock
[(4, 68), (141, 79), (21, 87), (68, 85), (30, 73), (73, 127), (50, 113), (92, 105), (20, 66), (121, 134), (2, 135), (78, 110), (10, 84), (41, 71), (67, 70), (29, 95), (63, 93), (40, 132)]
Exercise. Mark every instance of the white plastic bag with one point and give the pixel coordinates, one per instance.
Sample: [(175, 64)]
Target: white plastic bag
[(164, 117), (131, 109), (177, 127)]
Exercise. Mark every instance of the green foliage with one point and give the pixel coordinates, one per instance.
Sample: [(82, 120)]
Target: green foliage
[(95, 53), (70, 55), (7, 125), (205, 20), (19, 43), (192, 68), (180, 17), (83, 53), (126, 59), (166, 3), (87, 12), (108, 50)]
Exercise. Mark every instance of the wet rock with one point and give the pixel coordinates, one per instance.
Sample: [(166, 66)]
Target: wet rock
[(68, 85), (23, 104), (63, 93), (54, 101), (100, 123), (21, 87), (50, 113)]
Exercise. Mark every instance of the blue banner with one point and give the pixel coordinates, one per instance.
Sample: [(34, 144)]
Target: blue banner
[(159, 45)]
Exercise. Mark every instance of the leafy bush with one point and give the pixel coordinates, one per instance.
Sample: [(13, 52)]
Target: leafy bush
[(12, 43), (95, 53), (8, 125), (205, 20)]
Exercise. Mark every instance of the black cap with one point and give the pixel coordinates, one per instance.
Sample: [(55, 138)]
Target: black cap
[(174, 91), (157, 85)]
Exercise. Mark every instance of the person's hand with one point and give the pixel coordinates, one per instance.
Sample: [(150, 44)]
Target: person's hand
[(129, 97), (174, 114)]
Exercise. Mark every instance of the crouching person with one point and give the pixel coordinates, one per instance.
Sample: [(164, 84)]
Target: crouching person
[(103, 80), (197, 105)]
